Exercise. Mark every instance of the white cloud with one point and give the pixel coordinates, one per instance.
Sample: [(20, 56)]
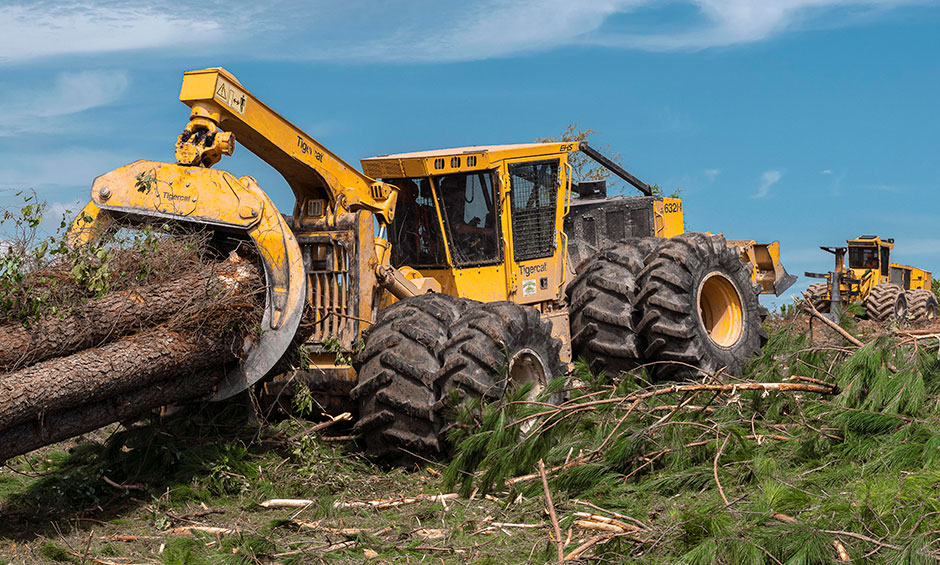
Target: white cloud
[(417, 31), (731, 22), (48, 28), (711, 174), (38, 109), (826, 172), (767, 180)]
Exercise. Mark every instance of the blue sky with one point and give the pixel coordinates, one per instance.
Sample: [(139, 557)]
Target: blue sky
[(807, 121)]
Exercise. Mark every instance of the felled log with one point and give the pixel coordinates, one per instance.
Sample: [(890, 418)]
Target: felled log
[(120, 313), (96, 374), (57, 426)]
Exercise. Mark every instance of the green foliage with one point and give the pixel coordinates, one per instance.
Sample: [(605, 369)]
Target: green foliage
[(303, 404), (55, 552), (830, 462), (332, 345), (144, 182)]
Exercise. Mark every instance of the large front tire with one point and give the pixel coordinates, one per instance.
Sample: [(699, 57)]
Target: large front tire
[(601, 307), (700, 311), (494, 346), (817, 294), (397, 368)]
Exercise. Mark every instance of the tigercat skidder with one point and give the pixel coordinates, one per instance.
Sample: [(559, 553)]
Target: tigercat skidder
[(887, 291), (449, 273)]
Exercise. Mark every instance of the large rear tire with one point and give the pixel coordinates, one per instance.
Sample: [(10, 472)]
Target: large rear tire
[(397, 368), (885, 302), (602, 315), (493, 346), (816, 293), (921, 305), (699, 306)]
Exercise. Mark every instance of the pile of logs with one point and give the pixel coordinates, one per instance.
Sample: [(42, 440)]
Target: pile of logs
[(122, 355)]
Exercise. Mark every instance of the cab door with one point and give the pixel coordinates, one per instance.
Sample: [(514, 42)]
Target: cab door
[(535, 202)]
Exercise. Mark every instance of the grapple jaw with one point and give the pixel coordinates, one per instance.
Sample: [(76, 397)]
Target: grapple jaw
[(766, 268), (145, 191)]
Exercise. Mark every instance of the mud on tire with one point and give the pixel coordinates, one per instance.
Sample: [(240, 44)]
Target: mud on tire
[(397, 368), (490, 346), (816, 294), (601, 306), (699, 308), (921, 305), (885, 302)]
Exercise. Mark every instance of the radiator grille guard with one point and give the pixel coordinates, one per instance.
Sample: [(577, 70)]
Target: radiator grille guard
[(331, 262), (328, 289), (534, 193)]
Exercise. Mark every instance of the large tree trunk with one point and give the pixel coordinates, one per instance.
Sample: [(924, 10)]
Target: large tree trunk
[(120, 313), (95, 374), (58, 426)]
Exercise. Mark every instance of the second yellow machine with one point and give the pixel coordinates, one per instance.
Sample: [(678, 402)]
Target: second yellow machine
[(887, 291), (461, 272)]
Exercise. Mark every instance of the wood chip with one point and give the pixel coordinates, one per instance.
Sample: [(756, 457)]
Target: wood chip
[(286, 503), (382, 504), (188, 530)]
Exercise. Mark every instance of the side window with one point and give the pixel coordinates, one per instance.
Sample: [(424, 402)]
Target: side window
[(884, 261), (416, 232), (534, 195), (471, 216)]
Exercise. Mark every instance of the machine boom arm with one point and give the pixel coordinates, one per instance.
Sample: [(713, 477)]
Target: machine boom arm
[(311, 170)]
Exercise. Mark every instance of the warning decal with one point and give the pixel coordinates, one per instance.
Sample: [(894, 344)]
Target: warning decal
[(231, 95)]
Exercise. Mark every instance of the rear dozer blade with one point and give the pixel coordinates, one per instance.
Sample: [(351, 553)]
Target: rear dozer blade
[(145, 191), (767, 271)]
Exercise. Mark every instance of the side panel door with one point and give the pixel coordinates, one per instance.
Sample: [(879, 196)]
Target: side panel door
[(535, 201)]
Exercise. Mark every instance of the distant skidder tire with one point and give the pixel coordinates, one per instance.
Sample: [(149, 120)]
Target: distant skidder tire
[(601, 299), (921, 305), (491, 347), (885, 302), (816, 294), (699, 308), (397, 368)]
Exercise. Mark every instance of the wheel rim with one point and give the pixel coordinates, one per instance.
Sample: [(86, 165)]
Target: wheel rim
[(900, 307), (527, 367), (721, 309)]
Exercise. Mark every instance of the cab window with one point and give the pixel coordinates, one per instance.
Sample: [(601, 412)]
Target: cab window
[(415, 233), (863, 258), (471, 217), (885, 262)]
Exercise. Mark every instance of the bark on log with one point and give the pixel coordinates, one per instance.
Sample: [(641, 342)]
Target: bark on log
[(121, 313), (58, 426), (118, 367)]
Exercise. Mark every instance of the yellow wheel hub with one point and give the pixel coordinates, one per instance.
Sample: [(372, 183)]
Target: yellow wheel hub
[(720, 309)]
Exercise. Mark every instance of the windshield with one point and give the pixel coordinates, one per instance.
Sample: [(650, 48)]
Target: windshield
[(471, 217), (415, 233), (863, 257)]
